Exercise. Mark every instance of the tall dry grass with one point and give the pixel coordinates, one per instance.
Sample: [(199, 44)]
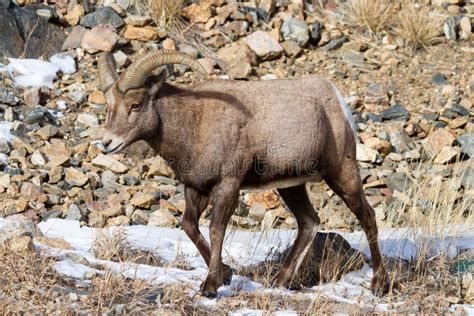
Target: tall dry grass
[(372, 16), (416, 26)]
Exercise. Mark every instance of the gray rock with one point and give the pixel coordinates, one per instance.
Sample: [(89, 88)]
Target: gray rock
[(42, 117), (315, 33), (335, 43), (438, 79), (396, 112), (104, 15), (399, 139), (399, 181), (467, 144), (295, 30), (7, 96), (74, 213), (264, 45), (10, 36), (449, 28)]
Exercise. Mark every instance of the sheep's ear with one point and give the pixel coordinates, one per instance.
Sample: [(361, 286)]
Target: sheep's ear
[(154, 83)]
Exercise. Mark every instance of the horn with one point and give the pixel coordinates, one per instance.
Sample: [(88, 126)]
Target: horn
[(107, 73), (136, 74)]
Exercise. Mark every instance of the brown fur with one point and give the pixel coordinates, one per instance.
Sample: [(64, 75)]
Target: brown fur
[(221, 136)]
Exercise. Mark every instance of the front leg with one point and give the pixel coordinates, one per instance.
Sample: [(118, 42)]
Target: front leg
[(224, 199)]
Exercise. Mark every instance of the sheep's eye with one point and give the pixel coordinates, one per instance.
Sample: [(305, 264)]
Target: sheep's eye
[(135, 106)]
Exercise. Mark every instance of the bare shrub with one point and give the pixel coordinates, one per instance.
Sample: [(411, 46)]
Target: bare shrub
[(165, 13), (416, 26), (112, 245), (370, 15)]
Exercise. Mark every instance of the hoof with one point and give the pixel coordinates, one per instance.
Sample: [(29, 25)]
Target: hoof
[(380, 284), (209, 294), (227, 274)]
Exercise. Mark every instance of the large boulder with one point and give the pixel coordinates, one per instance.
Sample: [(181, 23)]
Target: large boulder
[(328, 259), (25, 32)]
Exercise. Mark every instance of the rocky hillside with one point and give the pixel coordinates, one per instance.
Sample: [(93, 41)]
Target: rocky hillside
[(412, 100)]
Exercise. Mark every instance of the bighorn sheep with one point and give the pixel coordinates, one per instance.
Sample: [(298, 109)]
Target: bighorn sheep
[(221, 136)]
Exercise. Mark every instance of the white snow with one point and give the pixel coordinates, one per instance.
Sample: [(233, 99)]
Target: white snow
[(5, 131), (244, 248), (38, 73), (64, 62)]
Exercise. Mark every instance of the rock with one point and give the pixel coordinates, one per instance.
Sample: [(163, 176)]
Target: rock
[(447, 155), (264, 45), (85, 120), (434, 143), (399, 139), (101, 38), (467, 178), (329, 257), (466, 142), (32, 96), (74, 15), (143, 200), (197, 13), (291, 48), (74, 39), (268, 198), (162, 218), (158, 167), (74, 213), (438, 79), (315, 33), (144, 34), (23, 31), (109, 162), (37, 159), (399, 181), (30, 191), (54, 242), (118, 221), (239, 60), (295, 30), (257, 211), (46, 132), (396, 112), (7, 96), (139, 217), (75, 178), (465, 28), (20, 244), (449, 28), (103, 15), (268, 6), (335, 43), (366, 154)]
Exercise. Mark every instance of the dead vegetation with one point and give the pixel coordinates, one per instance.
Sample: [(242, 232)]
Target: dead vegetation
[(417, 27), (372, 16), (165, 13)]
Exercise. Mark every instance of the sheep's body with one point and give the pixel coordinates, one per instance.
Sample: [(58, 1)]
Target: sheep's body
[(273, 133), (222, 136)]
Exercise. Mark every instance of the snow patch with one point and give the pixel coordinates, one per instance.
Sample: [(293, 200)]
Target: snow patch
[(64, 62), (38, 73), (5, 131)]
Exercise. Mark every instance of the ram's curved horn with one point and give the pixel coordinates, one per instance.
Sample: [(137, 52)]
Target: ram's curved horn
[(136, 74), (107, 73)]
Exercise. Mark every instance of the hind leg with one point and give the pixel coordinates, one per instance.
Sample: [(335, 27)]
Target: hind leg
[(308, 222), (345, 181)]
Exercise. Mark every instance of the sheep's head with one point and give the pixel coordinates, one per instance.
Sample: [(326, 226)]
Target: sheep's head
[(131, 114)]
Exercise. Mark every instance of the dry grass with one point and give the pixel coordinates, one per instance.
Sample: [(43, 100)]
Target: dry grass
[(416, 26), (112, 245), (371, 15), (165, 13)]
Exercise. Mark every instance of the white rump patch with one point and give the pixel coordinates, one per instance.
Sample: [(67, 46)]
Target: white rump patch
[(345, 108)]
